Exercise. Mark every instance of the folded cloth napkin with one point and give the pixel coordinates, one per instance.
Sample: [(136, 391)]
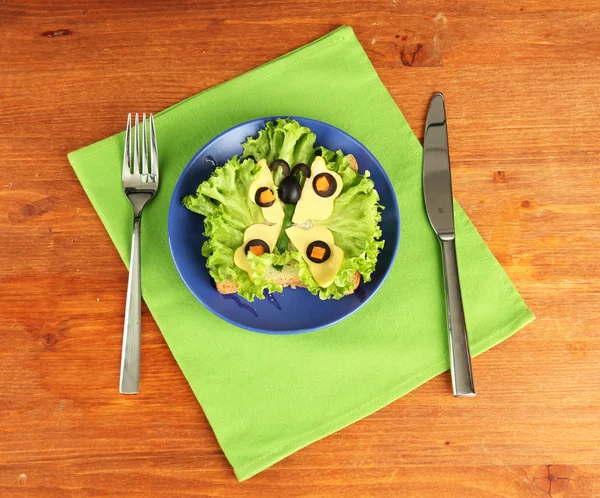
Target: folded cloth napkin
[(267, 396)]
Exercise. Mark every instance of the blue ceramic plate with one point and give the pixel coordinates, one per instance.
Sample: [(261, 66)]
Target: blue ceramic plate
[(294, 310)]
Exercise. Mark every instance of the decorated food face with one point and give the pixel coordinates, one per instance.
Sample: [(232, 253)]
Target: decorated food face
[(274, 221)]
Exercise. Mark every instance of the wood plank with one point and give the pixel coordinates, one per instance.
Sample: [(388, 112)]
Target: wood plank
[(521, 82)]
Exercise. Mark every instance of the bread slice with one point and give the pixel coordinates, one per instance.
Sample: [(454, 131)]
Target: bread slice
[(353, 162), (288, 276)]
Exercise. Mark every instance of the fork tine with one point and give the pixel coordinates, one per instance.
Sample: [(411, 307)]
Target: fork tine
[(144, 147), (127, 151), (136, 146), (153, 148)]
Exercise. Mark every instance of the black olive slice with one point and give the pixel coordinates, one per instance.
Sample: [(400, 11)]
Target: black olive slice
[(285, 167), (258, 243), (257, 197), (301, 167), (318, 251), (324, 185), (289, 190)]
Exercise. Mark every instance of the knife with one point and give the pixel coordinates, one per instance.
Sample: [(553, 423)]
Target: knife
[(437, 191)]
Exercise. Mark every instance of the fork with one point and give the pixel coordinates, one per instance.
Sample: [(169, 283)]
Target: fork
[(140, 185)]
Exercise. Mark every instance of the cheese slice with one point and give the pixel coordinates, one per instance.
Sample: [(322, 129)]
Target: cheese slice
[(273, 213), (323, 273), (268, 233), (311, 205)]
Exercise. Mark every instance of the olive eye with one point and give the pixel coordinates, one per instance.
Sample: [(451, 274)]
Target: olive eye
[(318, 251), (257, 247), (324, 185), (264, 197), (285, 167)]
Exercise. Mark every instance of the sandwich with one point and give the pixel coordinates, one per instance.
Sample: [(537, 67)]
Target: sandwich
[(288, 214)]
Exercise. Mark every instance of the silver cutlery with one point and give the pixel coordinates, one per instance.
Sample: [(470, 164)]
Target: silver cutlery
[(140, 184), (437, 191)]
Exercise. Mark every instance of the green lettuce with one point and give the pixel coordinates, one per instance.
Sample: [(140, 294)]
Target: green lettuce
[(354, 224), (223, 200), (285, 139)]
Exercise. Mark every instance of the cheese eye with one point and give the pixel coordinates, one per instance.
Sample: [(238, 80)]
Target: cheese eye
[(318, 251), (264, 197), (257, 247), (324, 185), (318, 195)]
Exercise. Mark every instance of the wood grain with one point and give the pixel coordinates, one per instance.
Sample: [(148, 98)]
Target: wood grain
[(521, 83)]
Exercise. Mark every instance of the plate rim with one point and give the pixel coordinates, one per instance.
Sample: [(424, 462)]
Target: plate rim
[(291, 331)]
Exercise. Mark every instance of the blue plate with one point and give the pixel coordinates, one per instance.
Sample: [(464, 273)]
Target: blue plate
[(294, 310)]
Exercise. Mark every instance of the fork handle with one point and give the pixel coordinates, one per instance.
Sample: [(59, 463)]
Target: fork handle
[(132, 330)]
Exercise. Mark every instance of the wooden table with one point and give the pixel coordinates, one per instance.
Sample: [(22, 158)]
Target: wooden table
[(523, 97)]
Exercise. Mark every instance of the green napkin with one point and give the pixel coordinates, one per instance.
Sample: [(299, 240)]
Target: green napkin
[(268, 396)]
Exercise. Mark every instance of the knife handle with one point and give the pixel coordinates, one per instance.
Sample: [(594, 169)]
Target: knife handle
[(460, 355)]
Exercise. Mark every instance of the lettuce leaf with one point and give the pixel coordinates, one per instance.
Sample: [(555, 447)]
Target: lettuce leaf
[(285, 139), (223, 200), (354, 224), (341, 286), (356, 216)]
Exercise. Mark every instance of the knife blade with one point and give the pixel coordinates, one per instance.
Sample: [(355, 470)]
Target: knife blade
[(437, 193)]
